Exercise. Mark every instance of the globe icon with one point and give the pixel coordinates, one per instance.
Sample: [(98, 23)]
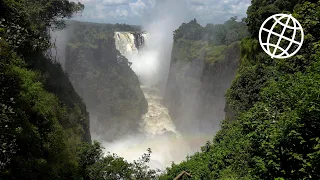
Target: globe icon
[(285, 37)]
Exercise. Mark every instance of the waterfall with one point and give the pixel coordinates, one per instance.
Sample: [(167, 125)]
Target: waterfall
[(158, 131), (133, 45), (128, 43), (157, 120), (156, 127)]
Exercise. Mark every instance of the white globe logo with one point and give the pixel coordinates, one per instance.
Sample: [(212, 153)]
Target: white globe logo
[(292, 45)]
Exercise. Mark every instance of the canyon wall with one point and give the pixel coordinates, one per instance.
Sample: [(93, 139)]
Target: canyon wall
[(203, 65), (105, 80)]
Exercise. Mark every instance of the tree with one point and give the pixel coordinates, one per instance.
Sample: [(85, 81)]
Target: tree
[(39, 131), (95, 165), (190, 31)]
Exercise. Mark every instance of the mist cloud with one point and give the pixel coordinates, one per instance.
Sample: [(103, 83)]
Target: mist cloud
[(153, 62)]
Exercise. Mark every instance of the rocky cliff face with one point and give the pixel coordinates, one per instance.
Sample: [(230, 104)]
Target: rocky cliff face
[(104, 79), (199, 77)]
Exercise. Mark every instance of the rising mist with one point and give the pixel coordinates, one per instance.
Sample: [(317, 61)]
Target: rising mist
[(154, 61)]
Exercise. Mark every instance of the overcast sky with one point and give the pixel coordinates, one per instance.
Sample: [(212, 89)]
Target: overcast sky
[(137, 11)]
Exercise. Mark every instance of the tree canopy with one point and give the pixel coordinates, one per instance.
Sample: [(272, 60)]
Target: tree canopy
[(217, 34), (42, 119)]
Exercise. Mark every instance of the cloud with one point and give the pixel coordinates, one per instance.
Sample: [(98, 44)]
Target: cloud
[(115, 2), (218, 11), (104, 2), (138, 8), (121, 13), (137, 11), (198, 2)]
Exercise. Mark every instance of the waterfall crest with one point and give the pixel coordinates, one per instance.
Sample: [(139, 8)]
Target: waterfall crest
[(129, 43)]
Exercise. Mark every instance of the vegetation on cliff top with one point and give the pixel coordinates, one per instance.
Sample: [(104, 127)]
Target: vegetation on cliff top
[(192, 41), (216, 34)]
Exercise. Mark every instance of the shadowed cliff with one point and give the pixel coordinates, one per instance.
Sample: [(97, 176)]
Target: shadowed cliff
[(104, 79)]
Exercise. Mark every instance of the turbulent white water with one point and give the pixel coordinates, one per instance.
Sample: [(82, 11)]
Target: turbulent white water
[(157, 120), (158, 131)]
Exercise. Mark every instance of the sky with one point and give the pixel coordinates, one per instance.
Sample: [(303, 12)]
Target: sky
[(135, 12)]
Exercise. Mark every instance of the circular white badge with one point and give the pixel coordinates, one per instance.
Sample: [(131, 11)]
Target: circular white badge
[(275, 50)]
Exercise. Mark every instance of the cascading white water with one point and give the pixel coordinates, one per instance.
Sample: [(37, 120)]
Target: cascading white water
[(125, 43), (144, 60), (158, 130), (157, 120)]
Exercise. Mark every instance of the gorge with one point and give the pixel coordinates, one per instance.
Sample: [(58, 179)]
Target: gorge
[(158, 129), (137, 99)]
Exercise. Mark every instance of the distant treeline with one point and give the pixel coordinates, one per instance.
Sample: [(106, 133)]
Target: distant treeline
[(217, 34)]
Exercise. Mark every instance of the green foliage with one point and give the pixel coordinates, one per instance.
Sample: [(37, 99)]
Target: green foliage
[(283, 133), (189, 31), (90, 33), (24, 23), (226, 153), (260, 10), (8, 146), (50, 13), (217, 34), (210, 43), (56, 81), (245, 89), (30, 116), (186, 51), (226, 33), (42, 119), (97, 166)]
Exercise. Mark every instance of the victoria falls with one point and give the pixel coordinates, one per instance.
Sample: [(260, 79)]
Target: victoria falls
[(158, 90)]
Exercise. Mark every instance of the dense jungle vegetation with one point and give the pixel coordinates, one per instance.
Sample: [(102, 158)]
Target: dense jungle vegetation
[(273, 132), (192, 41)]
